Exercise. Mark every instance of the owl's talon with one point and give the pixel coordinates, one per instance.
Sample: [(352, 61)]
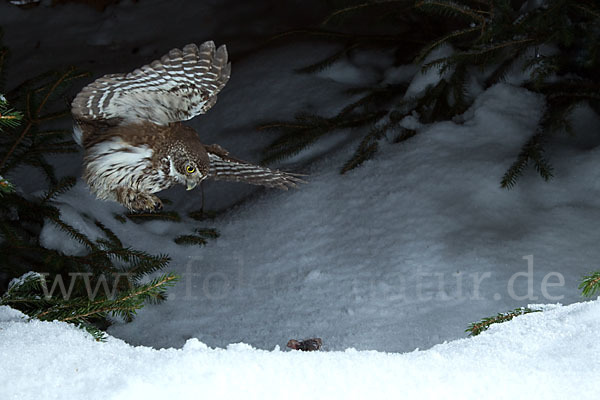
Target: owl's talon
[(148, 202), (138, 201)]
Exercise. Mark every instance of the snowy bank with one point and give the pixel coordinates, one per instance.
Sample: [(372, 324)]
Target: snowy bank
[(403, 252), (547, 355)]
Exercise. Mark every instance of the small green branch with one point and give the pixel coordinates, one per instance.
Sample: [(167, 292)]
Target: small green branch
[(146, 216), (476, 328), (200, 238), (32, 119), (590, 284), (359, 7)]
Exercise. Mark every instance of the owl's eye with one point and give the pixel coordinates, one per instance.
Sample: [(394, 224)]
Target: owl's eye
[(190, 169)]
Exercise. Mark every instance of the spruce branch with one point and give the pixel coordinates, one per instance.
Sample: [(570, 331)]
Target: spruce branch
[(366, 150), (9, 118), (476, 328), (127, 303), (308, 128), (503, 67), (451, 8), (106, 262), (533, 150), (62, 186), (32, 117), (360, 7), (71, 231), (26, 294), (190, 240), (210, 233), (139, 263), (5, 186), (200, 237), (113, 240), (37, 100), (443, 40), (590, 284), (139, 217), (486, 35), (370, 143), (120, 218), (84, 312), (485, 53), (588, 9)]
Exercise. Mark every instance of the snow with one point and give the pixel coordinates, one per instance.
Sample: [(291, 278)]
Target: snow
[(399, 254), (16, 282), (382, 259), (541, 355)]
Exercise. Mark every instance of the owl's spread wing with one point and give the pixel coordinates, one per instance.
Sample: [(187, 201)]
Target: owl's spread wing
[(223, 167), (179, 86)]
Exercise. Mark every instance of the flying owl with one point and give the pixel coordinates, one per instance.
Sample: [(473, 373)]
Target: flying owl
[(129, 126)]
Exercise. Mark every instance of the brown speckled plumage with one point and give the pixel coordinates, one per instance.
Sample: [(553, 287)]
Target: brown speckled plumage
[(129, 126)]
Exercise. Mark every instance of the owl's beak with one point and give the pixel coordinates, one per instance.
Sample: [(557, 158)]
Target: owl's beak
[(191, 185)]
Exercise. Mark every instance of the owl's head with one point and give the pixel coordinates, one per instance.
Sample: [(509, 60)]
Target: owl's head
[(188, 157)]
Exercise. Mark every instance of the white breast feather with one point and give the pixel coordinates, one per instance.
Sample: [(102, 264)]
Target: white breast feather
[(114, 163)]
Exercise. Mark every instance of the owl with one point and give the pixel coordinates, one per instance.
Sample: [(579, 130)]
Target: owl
[(130, 128)]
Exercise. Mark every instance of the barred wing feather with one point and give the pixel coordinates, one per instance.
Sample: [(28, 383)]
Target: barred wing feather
[(179, 86), (223, 167)]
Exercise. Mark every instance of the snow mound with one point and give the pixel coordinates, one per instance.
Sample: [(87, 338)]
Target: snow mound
[(546, 355)]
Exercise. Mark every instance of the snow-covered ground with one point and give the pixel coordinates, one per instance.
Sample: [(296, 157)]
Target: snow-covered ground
[(401, 253), (547, 355)]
